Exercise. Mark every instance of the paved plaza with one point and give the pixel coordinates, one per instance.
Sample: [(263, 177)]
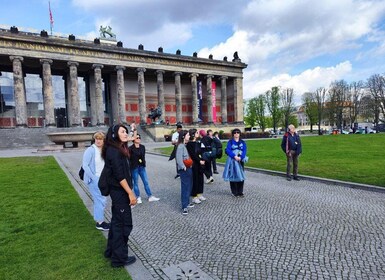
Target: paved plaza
[(279, 230)]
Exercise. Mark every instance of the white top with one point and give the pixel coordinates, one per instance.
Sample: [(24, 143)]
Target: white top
[(99, 162), (175, 136)]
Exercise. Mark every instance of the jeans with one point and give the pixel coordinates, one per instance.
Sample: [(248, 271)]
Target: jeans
[(99, 201), (141, 171), (186, 185)]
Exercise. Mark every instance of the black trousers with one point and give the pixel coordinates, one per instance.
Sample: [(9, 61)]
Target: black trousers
[(120, 229), (207, 169), (214, 162), (237, 188), (198, 183)]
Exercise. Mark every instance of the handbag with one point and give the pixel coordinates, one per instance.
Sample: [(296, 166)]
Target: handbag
[(188, 162)]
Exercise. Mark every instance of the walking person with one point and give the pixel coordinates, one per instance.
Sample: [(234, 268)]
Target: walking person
[(194, 150), (138, 168), (116, 156), (206, 142), (234, 168), (174, 141), (93, 164), (292, 147), (184, 164)]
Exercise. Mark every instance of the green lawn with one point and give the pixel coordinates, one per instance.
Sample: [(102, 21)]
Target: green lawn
[(354, 158), (45, 230)]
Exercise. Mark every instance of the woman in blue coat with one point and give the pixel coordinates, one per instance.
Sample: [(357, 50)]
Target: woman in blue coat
[(234, 169)]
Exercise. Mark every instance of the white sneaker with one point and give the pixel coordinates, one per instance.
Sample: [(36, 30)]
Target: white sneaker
[(196, 200), (210, 180), (201, 198), (153, 198), (139, 200)]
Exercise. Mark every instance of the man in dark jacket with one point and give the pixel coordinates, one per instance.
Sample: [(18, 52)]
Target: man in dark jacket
[(292, 147)]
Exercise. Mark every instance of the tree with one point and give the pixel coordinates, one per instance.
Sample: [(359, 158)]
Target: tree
[(354, 97), (311, 108), (376, 86), (287, 105), (320, 96), (260, 112), (337, 102), (251, 112), (272, 101)]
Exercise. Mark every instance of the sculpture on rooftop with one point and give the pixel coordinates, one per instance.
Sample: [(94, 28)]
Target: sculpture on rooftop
[(106, 30)]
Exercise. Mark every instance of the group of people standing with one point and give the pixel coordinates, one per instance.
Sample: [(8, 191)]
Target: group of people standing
[(126, 163)]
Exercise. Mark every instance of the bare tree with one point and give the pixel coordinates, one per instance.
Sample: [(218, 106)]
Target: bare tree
[(376, 87), (337, 102), (320, 97), (354, 97), (287, 105), (310, 107), (272, 101)]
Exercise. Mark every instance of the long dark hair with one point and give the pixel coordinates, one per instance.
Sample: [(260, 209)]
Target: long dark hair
[(192, 132), (113, 140), (182, 134)]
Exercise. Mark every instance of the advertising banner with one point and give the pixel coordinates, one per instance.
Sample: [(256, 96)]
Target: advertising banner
[(214, 108), (199, 100)]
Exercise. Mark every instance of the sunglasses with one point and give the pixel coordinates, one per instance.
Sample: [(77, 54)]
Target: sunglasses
[(138, 137), (237, 132)]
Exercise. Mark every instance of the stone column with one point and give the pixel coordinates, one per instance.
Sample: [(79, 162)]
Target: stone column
[(74, 108), (178, 97), (209, 99), (142, 96), (121, 94), (223, 99), (99, 94), (238, 100), (49, 106), (194, 91), (160, 88), (19, 88)]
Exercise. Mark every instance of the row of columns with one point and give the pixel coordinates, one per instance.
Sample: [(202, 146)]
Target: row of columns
[(96, 98)]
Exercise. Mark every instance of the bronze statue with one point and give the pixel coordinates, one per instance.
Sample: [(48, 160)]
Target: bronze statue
[(107, 30)]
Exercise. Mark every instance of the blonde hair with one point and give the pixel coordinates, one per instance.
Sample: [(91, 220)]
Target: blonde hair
[(99, 135)]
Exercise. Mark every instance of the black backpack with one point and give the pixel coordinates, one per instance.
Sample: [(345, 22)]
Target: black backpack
[(103, 184), (217, 148)]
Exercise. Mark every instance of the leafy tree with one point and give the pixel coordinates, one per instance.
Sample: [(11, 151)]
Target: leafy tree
[(251, 112), (354, 97), (310, 108), (376, 86), (260, 112), (272, 101), (337, 102)]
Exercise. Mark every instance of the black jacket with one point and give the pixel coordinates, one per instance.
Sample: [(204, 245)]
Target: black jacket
[(137, 156)]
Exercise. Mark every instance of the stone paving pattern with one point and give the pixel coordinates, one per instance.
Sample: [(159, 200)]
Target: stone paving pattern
[(279, 230)]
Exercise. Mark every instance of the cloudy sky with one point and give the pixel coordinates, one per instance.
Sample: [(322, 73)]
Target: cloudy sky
[(289, 43)]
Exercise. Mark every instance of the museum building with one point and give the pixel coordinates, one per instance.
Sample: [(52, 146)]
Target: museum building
[(51, 81)]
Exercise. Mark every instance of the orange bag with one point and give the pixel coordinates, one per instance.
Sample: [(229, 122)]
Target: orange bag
[(188, 162)]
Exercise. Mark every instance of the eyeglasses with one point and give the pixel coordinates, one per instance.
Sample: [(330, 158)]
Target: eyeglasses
[(237, 132)]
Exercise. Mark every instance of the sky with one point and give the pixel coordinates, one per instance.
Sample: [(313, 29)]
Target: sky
[(295, 44)]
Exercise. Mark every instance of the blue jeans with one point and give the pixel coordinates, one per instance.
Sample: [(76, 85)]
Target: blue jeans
[(99, 201), (186, 186), (141, 171)]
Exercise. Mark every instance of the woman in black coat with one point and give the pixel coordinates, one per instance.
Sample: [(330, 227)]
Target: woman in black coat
[(116, 157), (194, 149)]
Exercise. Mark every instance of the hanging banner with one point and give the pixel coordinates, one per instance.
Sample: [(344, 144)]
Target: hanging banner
[(214, 107), (199, 100)]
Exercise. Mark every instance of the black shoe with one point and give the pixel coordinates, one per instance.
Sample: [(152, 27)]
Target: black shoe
[(216, 172), (103, 226), (296, 178), (288, 178), (130, 260), (176, 176), (241, 195)]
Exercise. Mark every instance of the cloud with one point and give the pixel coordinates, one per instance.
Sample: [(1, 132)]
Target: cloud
[(308, 80)]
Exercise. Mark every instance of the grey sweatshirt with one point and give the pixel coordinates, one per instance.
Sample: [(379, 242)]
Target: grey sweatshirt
[(181, 154)]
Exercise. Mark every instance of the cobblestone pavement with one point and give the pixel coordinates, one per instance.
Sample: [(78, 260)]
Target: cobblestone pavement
[(279, 230)]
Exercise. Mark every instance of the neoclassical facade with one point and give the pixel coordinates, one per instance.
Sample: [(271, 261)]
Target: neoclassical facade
[(48, 81)]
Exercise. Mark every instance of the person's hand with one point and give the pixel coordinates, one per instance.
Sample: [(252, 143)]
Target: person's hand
[(133, 126), (202, 162), (185, 168), (132, 200)]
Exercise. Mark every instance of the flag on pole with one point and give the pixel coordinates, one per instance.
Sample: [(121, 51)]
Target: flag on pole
[(50, 16)]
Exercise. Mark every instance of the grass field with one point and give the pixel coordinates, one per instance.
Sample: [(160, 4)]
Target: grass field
[(353, 158), (45, 230)]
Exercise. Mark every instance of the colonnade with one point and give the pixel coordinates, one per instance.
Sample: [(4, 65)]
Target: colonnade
[(119, 109)]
